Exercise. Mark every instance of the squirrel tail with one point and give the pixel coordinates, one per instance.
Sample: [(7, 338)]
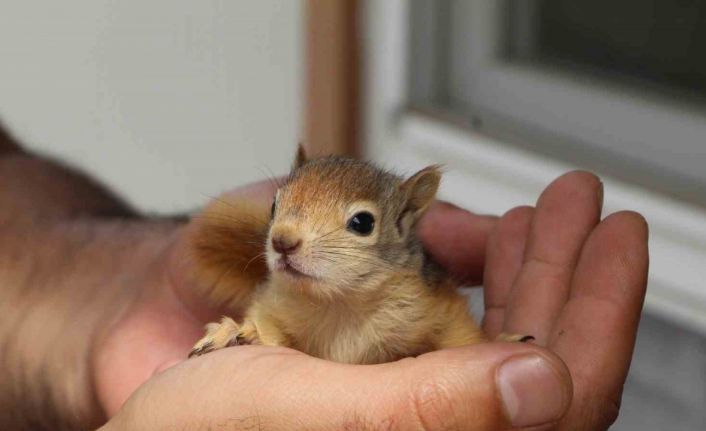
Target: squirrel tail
[(228, 246)]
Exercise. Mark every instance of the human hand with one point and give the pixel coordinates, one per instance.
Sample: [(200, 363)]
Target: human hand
[(574, 282), (460, 386)]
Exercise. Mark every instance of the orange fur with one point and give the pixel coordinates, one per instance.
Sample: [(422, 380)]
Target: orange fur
[(228, 246)]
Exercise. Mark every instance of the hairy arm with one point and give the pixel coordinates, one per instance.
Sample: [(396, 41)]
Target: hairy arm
[(65, 243), (34, 188)]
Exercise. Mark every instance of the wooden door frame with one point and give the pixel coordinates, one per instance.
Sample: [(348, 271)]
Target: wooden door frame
[(332, 117)]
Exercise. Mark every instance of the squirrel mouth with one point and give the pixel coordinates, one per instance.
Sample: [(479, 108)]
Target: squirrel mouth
[(285, 265)]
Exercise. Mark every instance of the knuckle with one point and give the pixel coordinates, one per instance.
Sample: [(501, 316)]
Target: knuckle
[(595, 412), (541, 271), (605, 411), (432, 405), (517, 215)]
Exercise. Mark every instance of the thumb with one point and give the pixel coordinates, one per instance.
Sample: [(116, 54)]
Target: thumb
[(485, 387), (494, 386)]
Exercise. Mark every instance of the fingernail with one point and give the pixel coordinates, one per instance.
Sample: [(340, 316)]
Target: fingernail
[(601, 194), (531, 391)]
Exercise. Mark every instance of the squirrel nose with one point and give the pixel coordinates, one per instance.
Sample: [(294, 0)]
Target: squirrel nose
[(285, 245)]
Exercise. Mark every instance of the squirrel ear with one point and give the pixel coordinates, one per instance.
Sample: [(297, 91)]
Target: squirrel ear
[(420, 189), (301, 158)]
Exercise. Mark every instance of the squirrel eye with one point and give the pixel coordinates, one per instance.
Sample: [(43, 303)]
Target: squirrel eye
[(274, 206), (361, 223)]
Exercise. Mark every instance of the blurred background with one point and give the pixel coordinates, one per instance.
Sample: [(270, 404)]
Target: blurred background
[(168, 101), (172, 102)]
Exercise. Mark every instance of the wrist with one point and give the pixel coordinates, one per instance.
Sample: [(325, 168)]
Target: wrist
[(75, 279)]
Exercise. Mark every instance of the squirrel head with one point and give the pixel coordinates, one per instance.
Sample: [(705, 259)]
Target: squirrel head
[(338, 225)]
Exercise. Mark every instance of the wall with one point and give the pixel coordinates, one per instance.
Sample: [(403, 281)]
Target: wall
[(168, 101)]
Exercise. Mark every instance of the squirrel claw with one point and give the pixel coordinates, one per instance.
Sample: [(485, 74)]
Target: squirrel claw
[(201, 350), (514, 338), (218, 335), (238, 340), (227, 333)]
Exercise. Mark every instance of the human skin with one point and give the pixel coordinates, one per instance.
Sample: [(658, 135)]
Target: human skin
[(100, 310)]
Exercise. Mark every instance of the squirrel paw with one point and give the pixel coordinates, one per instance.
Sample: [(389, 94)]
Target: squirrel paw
[(227, 333), (514, 338)]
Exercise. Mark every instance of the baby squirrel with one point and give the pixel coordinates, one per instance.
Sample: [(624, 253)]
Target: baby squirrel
[(334, 269)]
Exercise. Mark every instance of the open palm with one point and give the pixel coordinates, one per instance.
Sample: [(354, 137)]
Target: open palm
[(555, 271)]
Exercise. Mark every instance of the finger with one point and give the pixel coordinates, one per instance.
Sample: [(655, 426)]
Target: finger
[(595, 333), (566, 213), (506, 247), (456, 239), (487, 387)]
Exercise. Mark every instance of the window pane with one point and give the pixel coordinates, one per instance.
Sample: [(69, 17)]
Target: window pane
[(663, 41), (615, 87)]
